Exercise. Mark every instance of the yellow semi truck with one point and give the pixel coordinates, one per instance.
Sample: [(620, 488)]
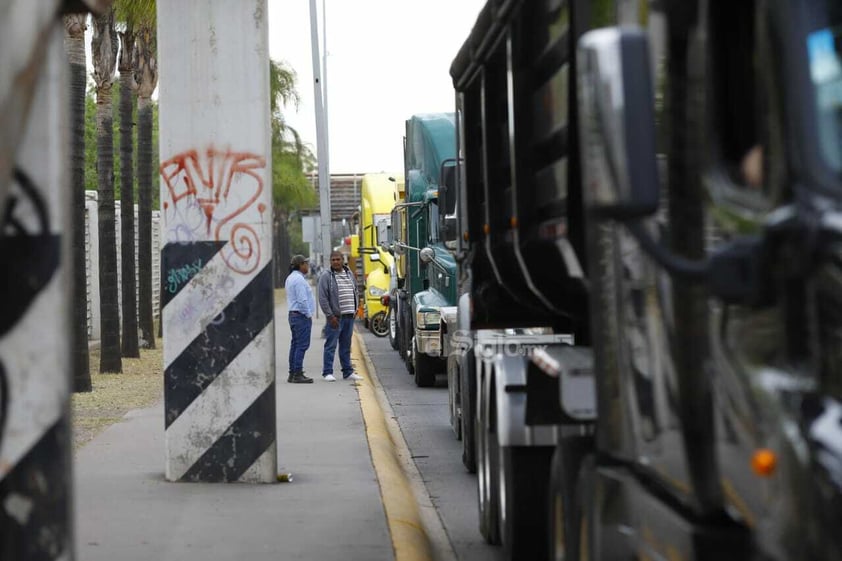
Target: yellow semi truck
[(377, 197)]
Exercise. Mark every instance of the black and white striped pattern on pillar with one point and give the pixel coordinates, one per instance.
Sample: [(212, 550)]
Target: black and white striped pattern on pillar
[(219, 392), (35, 363)]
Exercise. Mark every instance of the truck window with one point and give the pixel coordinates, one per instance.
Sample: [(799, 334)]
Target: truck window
[(433, 222), (377, 220), (741, 106), (824, 51)]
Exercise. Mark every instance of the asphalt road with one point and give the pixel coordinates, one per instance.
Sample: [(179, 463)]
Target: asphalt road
[(422, 414)]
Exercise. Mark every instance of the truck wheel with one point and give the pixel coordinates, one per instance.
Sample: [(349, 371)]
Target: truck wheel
[(424, 367), (524, 481), (564, 508), (404, 330), (392, 322), (488, 471), (379, 324), (454, 403), (468, 400)]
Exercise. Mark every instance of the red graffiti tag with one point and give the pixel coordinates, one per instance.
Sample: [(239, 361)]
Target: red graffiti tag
[(209, 180)]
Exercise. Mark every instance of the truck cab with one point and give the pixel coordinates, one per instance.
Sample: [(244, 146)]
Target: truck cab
[(421, 228), (377, 198)]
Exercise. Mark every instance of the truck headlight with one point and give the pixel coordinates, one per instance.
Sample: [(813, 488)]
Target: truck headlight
[(427, 318), (376, 291)]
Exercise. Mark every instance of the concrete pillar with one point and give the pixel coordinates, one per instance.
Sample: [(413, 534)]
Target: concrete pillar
[(219, 343), (35, 317)]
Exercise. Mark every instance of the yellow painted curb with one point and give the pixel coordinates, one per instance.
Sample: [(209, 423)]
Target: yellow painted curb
[(409, 538)]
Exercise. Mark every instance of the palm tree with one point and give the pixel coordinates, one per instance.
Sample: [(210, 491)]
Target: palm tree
[(145, 65), (127, 247), (104, 54), (291, 191), (74, 43)]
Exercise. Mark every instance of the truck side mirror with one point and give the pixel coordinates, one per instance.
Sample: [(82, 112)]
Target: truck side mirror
[(427, 254), (617, 123)]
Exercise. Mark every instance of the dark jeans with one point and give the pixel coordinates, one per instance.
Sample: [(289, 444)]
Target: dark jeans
[(300, 326), (342, 335)]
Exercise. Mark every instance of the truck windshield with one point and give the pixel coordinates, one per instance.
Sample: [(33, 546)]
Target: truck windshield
[(824, 49)]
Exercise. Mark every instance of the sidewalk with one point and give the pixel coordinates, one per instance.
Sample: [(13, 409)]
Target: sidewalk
[(126, 510)]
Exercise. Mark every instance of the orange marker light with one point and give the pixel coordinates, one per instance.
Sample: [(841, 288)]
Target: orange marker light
[(513, 222), (763, 462), (486, 229), (465, 235)]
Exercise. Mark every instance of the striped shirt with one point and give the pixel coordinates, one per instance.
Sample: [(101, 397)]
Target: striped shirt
[(346, 292)]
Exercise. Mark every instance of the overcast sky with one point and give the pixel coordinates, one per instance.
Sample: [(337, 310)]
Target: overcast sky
[(387, 59)]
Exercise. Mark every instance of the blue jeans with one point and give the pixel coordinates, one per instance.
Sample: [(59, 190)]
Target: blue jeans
[(342, 335), (300, 326)]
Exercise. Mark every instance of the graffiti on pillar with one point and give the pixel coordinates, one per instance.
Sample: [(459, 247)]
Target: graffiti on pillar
[(28, 260), (29, 252), (208, 193)]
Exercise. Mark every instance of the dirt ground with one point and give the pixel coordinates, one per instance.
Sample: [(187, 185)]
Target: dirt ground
[(139, 385)]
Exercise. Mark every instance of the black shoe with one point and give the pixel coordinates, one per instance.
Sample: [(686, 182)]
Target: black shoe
[(299, 378)]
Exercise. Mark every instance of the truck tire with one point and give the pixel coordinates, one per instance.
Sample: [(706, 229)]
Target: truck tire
[(468, 400), (454, 402), (379, 324), (524, 481), (392, 322), (584, 523), (488, 470), (565, 510), (424, 367), (404, 333)]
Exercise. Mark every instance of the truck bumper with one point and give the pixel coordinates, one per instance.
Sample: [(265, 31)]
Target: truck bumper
[(428, 341), (373, 306)]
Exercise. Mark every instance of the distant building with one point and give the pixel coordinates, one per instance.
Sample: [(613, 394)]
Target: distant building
[(344, 202)]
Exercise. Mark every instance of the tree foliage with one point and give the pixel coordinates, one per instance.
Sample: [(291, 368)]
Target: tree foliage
[(90, 144), (291, 158)]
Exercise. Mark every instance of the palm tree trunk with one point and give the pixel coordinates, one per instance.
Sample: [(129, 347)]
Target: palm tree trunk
[(146, 77), (127, 246), (110, 360), (75, 47), (104, 49), (144, 219), (285, 252)]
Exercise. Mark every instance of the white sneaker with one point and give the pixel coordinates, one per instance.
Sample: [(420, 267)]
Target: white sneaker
[(329, 378), (354, 376)]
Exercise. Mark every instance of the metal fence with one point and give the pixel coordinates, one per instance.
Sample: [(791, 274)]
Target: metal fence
[(92, 260)]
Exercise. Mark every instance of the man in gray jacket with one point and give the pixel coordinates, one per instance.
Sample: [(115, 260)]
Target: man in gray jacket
[(338, 300)]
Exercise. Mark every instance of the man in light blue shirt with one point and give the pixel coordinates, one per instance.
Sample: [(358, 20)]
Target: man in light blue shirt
[(301, 306)]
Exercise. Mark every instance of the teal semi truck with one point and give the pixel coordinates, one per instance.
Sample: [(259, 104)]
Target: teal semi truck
[(423, 300)]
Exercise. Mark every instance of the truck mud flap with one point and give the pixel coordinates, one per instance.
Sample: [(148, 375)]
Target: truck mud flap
[(560, 386)]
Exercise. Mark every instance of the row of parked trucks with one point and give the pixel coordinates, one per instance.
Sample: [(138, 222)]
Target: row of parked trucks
[(623, 250)]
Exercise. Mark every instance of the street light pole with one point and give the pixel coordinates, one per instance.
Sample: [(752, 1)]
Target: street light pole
[(321, 138)]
